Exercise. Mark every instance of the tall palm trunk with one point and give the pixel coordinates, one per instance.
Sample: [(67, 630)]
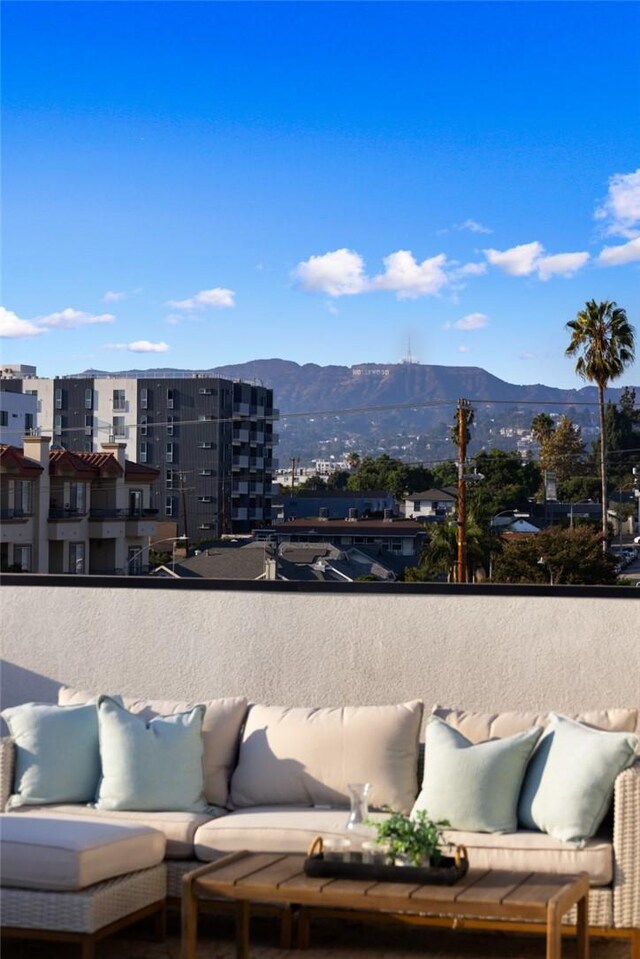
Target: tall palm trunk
[(603, 467)]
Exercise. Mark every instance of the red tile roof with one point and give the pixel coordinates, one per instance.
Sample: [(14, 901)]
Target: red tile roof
[(14, 461), (62, 462), (140, 472)]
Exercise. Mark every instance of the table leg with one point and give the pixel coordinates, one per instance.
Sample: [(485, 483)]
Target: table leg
[(303, 928), (554, 934), (286, 927), (242, 930), (583, 928), (189, 922)]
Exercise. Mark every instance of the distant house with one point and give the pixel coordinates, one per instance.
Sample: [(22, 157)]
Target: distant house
[(65, 512), (397, 536), (332, 504), (435, 504)]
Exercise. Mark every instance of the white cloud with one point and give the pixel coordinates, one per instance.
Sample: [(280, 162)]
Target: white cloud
[(472, 226), (621, 207), (332, 308), (619, 255), (410, 279), (530, 258), (340, 273), (12, 326), (173, 319), (139, 346), (562, 264), (113, 296), (463, 349), (145, 346), (518, 260), (71, 319), (472, 321), (216, 299), (471, 269)]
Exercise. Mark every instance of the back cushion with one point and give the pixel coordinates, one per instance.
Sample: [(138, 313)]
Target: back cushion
[(479, 727), (309, 756), (221, 726)]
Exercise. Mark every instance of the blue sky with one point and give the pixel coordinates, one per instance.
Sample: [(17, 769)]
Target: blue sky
[(199, 184)]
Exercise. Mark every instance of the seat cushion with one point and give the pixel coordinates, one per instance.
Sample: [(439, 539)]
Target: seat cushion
[(223, 719), (68, 854), (271, 829), (178, 828), (536, 852), (309, 756)]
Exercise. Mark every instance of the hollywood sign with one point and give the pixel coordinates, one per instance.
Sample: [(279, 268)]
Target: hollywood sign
[(371, 371)]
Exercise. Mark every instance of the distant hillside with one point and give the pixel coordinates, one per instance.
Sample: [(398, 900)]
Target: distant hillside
[(318, 389)]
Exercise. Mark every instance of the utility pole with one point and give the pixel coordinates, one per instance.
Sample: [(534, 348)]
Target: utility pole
[(463, 414), (293, 471), (183, 507)]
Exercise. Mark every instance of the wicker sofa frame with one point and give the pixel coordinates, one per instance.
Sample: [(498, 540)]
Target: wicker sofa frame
[(614, 911)]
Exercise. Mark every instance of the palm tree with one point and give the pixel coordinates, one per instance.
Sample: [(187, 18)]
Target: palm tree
[(603, 340)]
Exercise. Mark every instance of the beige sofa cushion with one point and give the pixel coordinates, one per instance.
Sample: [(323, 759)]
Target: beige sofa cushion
[(479, 727), (271, 829), (290, 829), (178, 828), (308, 756), (536, 852), (68, 854), (221, 726)]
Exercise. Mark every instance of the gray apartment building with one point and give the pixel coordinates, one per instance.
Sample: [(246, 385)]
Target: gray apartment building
[(212, 440)]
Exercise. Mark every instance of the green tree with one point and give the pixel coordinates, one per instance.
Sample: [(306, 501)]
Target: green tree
[(562, 451), (508, 484), (558, 555), (440, 552), (338, 479), (602, 339), (542, 426), (386, 473)]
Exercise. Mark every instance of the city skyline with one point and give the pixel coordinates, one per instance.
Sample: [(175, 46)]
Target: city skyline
[(192, 185)]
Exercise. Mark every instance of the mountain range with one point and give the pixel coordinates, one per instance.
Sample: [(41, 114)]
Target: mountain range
[(370, 406)]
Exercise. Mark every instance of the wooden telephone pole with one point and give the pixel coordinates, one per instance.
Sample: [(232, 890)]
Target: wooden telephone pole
[(464, 413)]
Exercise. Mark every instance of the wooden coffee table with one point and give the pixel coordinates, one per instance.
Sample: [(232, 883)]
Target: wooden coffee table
[(482, 895)]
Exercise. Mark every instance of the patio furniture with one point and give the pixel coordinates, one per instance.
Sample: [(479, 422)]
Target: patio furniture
[(79, 880), (534, 902)]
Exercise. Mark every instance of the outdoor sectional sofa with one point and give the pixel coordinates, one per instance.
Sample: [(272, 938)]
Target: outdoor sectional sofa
[(275, 777)]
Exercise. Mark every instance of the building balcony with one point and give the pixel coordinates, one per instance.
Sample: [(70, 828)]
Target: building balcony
[(15, 516), (239, 489), (240, 463), (240, 513), (65, 514), (240, 436), (241, 409)]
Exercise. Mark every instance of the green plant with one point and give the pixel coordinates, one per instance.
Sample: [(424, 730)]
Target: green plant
[(416, 838)]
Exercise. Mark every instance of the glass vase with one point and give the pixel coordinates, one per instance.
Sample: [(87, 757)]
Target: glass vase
[(359, 794)]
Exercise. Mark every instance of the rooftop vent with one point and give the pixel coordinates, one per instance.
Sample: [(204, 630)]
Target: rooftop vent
[(323, 512), (388, 515), (353, 514)]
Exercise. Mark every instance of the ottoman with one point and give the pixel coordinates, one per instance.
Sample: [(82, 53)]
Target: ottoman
[(78, 880)]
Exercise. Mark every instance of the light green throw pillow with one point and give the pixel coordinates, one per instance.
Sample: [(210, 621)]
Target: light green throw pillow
[(474, 787), (57, 756), (567, 790), (153, 766)]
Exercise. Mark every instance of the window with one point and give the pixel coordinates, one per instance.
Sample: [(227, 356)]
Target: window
[(119, 401), (170, 399), (22, 558), (78, 497), (169, 425), (57, 398), (206, 473), (144, 399), (57, 424), (169, 479), (134, 560), (169, 453), (135, 502), (28, 422), (88, 399), (88, 424), (205, 446), (144, 420), (205, 499), (23, 497), (205, 417), (4, 418), (168, 506), (76, 558), (118, 426), (142, 456)]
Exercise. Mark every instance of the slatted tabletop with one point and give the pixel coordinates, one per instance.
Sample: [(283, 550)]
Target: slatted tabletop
[(255, 877)]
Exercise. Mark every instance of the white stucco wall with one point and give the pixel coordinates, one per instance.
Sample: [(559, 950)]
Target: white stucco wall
[(476, 651)]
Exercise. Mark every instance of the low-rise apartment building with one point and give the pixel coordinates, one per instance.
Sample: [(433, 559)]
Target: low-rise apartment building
[(65, 512)]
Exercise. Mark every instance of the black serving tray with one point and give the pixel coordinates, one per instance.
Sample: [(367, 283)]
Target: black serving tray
[(446, 873)]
